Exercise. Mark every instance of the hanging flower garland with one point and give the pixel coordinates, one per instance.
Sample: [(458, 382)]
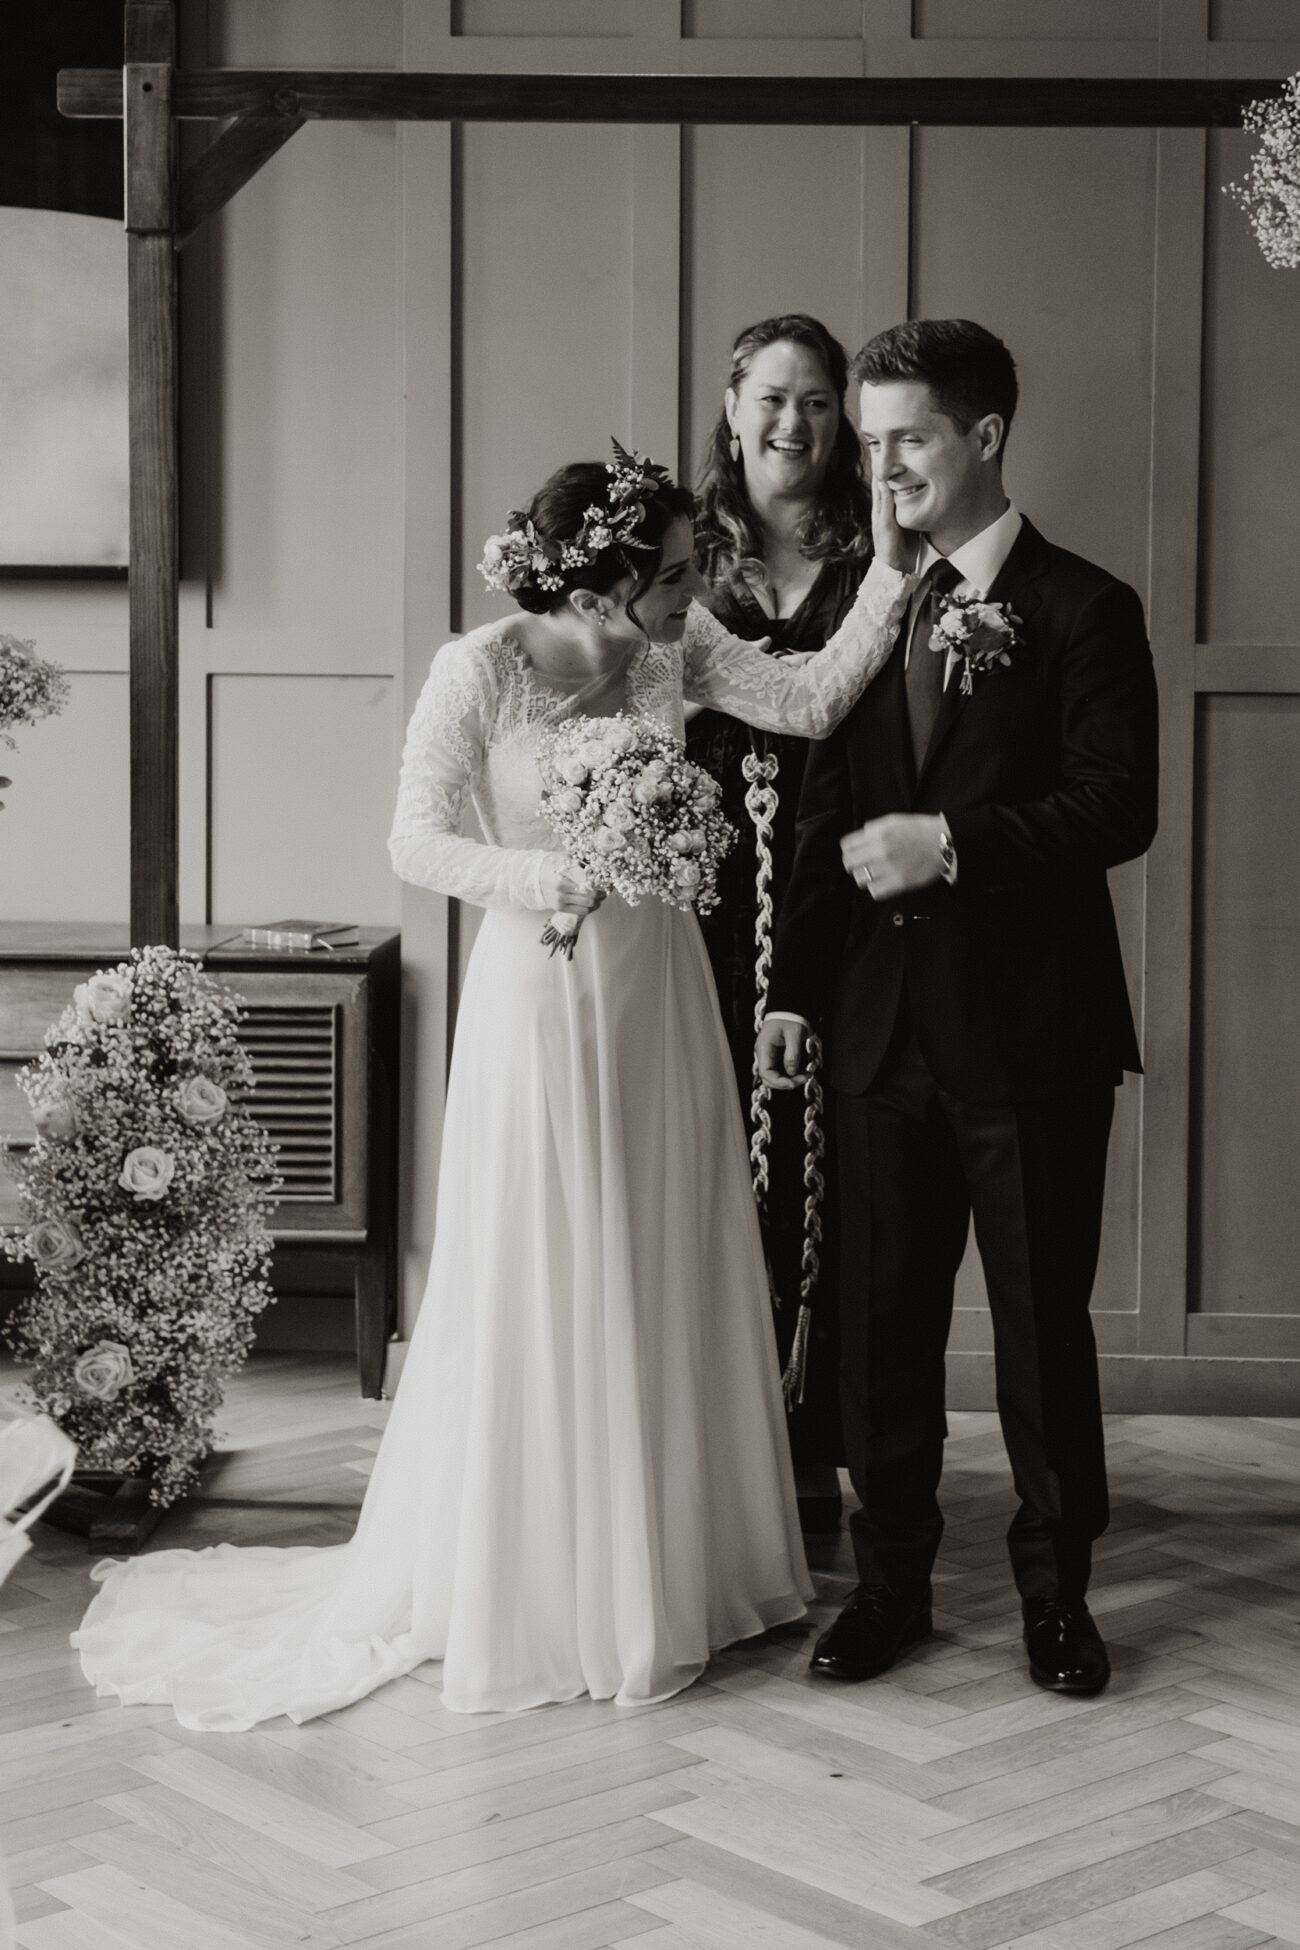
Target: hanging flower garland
[(146, 1197), (1270, 195)]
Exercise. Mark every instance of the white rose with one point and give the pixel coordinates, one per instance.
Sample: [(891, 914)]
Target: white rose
[(621, 818), (686, 874), (569, 801), (573, 770), (679, 843), (147, 1172), (105, 997), (707, 792), (56, 1245), (54, 1120), (200, 1101), (607, 840), (620, 738), (104, 1371), (591, 754)]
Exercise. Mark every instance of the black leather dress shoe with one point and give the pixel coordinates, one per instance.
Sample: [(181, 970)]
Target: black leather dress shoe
[(870, 1632), (1066, 1652)]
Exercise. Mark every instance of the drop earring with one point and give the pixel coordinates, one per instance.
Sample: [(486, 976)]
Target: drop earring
[(734, 448)]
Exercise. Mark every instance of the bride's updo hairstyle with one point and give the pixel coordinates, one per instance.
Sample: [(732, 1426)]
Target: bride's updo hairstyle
[(591, 525)]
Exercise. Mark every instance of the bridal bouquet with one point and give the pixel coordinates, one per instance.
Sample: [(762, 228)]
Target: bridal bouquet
[(30, 688), (145, 1198), (634, 814)]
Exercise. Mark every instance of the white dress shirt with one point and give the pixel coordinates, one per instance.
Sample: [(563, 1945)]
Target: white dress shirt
[(978, 562)]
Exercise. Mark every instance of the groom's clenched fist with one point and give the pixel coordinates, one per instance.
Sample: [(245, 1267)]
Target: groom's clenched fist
[(781, 1051), (897, 853)]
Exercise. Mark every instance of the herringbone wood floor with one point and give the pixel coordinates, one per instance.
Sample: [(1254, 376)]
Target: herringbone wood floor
[(949, 1803)]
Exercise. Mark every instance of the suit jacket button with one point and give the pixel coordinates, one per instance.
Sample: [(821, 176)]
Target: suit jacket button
[(898, 919)]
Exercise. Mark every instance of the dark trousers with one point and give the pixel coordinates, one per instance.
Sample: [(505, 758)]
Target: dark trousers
[(915, 1164)]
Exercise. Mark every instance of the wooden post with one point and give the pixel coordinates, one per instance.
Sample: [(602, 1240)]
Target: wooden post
[(154, 528)]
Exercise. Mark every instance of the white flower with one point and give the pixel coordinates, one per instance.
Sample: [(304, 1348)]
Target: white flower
[(679, 843), (55, 1119), (620, 737), (607, 840), (200, 1101), (686, 874), (591, 754), (573, 770), (106, 997), (56, 1245), (147, 1172), (570, 800), (104, 1371)]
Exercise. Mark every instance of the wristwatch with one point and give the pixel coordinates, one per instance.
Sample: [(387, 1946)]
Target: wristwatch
[(947, 853)]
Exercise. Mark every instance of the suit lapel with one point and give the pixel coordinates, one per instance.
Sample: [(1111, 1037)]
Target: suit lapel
[(1013, 585)]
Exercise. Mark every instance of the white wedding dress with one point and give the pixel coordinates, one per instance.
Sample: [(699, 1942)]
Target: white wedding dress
[(584, 1485)]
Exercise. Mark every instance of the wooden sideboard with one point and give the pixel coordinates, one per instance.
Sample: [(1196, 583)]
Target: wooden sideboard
[(322, 1029)]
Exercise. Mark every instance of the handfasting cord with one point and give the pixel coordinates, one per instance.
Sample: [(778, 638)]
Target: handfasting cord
[(759, 774)]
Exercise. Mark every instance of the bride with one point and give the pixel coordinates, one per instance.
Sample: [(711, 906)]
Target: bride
[(584, 1485)]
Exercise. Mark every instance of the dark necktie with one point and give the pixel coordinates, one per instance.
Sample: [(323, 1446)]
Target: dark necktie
[(925, 667)]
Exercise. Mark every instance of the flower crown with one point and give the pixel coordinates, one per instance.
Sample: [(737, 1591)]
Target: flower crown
[(521, 554)]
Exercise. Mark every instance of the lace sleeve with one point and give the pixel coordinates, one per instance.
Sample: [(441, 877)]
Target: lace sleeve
[(442, 761), (808, 699)]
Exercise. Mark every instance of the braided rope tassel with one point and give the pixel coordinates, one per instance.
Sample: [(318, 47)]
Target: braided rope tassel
[(761, 802)]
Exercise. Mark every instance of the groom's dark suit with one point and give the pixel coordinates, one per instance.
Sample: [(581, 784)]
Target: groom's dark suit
[(976, 1035)]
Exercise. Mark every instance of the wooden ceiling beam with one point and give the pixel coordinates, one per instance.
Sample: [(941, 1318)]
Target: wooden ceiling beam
[(771, 100)]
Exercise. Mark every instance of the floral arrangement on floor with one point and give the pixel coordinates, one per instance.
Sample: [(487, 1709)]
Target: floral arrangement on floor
[(145, 1197), (30, 688), (1270, 195), (633, 813)]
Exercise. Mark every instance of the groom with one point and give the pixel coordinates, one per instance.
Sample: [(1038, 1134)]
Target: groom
[(948, 927)]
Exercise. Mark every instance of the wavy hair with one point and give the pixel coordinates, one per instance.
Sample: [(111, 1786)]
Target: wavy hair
[(729, 542), (557, 512)]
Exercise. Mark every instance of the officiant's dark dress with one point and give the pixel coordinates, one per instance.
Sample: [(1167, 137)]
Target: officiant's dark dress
[(721, 744)]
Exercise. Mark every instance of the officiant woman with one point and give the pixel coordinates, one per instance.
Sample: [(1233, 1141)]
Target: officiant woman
[(783, 540)]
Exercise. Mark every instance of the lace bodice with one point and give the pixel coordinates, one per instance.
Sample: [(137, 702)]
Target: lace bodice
[(479, 722)]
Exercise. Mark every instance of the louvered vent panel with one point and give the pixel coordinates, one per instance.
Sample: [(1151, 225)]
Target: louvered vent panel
[(295, 1062)]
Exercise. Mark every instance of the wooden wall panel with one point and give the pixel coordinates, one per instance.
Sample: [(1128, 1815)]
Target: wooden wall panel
[(307, 520), (1245, 1213), (546, 308), (1035, 20), (598, 19), (1251, 452), (1253, 20), (308, 34), (748, 20), (774, 223), (1046, 236), (64, 849), (302, 773)]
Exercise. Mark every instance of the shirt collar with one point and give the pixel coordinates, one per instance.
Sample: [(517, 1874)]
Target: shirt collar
[(980, 560)]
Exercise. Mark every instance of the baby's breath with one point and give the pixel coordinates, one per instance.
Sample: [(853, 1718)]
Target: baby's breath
[(30, 688), (1270, 195), (149, 1296), (633, 812)]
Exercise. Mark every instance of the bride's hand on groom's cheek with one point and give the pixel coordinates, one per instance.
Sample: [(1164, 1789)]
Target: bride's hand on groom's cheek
[(894, 855)]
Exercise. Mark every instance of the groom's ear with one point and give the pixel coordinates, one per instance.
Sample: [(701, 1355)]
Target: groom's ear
[(990, 431)]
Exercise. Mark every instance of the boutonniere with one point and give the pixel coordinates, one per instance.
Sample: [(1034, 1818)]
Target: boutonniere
[(981, 634)]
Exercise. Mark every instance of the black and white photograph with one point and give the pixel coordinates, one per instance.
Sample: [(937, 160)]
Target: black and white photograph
[(650, 974)]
